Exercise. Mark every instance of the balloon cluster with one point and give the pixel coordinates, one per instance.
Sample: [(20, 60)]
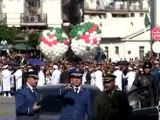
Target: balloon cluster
[(85, 38), (53, 43)]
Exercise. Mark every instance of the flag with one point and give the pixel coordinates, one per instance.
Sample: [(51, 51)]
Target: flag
[(146, 21)]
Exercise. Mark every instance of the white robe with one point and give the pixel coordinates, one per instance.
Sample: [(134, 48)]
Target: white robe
[(99, 79), (118, 79), (55, 77), (6, 80), (18, 78), (84, 78), (41, 80), (93, 79), (131, 75)]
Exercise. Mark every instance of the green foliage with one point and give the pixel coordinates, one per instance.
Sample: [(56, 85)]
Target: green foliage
[(8, 33), (34, 39)]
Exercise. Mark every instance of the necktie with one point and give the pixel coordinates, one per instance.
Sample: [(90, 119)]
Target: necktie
[(76, 90), (34, 91)]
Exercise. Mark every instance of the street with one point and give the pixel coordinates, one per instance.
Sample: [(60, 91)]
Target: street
[(7, 108)]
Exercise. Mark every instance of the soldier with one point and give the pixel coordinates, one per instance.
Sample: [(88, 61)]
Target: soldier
[(26, 99), (111, 104), (148, 86), (6, 81), (77, 103)]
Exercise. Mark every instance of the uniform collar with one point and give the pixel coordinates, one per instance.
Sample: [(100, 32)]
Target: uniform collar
[(79, 89), (30, 87)]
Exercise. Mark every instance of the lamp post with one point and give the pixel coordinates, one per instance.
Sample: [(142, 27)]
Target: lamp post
[(155, 17)]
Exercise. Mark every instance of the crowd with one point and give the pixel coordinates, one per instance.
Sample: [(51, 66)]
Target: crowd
[(12, 77), (112, 78)]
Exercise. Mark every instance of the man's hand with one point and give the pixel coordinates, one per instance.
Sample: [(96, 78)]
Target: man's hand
[(68, 88), (36, 107)]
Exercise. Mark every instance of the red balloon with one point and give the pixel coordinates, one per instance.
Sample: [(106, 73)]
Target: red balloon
[(55, 42), (90, 31), (71, 38), (87, 41), (43, 38), (49, 44), (51, 36), (81, 37), (65, 42), (94, 41)]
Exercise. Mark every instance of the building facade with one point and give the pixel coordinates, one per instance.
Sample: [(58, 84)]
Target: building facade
[(122, 23)]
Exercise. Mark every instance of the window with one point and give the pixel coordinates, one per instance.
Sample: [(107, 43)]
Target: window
[(107, 53), (141, 14), (141, 52), (132, 15), (117, 50)]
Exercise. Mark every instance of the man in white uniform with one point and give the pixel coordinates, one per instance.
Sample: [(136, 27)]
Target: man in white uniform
[(131, 75), (119, 74), (6, 81), (41, 77), (55, 75), (98, 78), (18, 77)]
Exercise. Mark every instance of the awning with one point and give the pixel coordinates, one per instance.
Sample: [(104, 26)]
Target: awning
[(23, 46)]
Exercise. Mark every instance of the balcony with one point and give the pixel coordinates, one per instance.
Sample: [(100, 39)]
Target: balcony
[(33, 20), (116, 7), (3, 18)]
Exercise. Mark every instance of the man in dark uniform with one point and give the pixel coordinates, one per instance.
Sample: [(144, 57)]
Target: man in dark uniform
[(77, 103), (111, 104), (26, 99), (147, 85)]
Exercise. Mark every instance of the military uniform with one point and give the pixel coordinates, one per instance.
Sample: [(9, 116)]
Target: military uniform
[(25, 99), (111, 105), (76, 102), (149, 87)]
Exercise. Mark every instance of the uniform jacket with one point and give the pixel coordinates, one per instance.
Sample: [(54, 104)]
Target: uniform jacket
[(150, 91), (25, 99), (6, 80), (18, 77), (113, 106), (76, 105)]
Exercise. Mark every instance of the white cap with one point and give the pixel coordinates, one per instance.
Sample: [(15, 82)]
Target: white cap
[(55, 66), (4, 67), (42, 67), (116, 67), (130, 68)]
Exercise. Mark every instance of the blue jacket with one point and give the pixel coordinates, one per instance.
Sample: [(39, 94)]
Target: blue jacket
[(156, 74), (25, 99), (76, 106)]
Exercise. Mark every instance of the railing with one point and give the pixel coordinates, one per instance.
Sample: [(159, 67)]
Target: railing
[(33, 19), (118, 6), (3, 18)]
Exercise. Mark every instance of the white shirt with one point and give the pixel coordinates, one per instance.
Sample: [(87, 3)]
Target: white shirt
[(55, 77), (99, 79), (30, 87), (18, 78), (131, 75), (79, 88), (118, 79), (84, 78), (41, 77), (6, 80)]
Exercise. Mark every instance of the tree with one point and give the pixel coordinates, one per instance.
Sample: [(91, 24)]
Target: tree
[(34, 39), (8, 33), (147, 20)]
